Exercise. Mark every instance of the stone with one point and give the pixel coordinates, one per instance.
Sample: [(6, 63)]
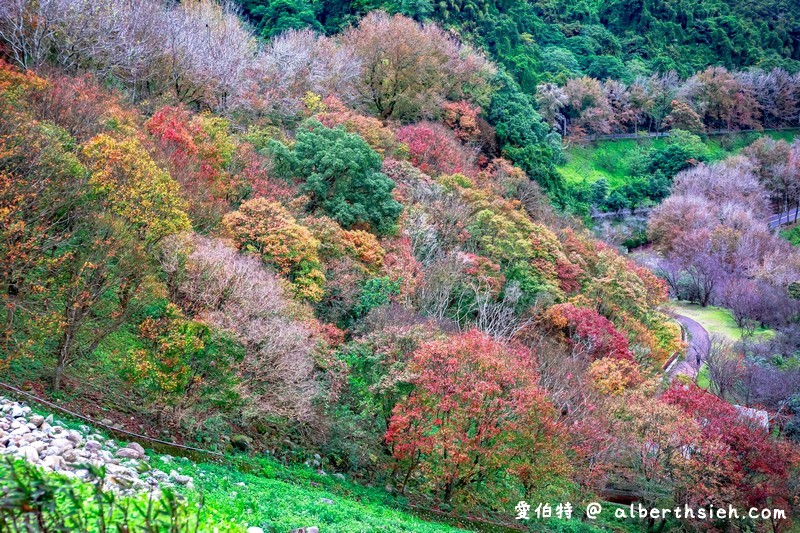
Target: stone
[(326, 501), (254, 529), (53, 462), (36, 420), (241, 442), (49, 419), (29, 453), (71, 456), (136, 446), (129, 453), (107, 422), (62, 442), (92, 446), (117, 470), (75, 437), (312, 529), (180, 478), (17, 411)]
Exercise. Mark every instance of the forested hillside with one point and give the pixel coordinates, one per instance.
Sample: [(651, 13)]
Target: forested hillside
[(337, 235), (549, 40)]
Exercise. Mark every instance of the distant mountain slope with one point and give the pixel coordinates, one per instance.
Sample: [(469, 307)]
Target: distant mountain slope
[(551, 39)]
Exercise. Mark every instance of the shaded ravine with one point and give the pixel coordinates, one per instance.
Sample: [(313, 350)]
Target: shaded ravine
[(697, 350)]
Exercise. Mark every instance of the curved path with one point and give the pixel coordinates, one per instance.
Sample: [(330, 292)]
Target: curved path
[(697, 350)]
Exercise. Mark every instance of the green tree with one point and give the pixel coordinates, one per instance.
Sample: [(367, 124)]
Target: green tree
[(341, 174), (522, 133), (276, 16)]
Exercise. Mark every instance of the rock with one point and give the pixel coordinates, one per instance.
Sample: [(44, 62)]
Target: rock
[(49, 419), (58, 447), (129, 453), (54, 462), (339, 475), (166, 458), (107, 422), (75, 437), (254, 529), (92, 446), (117, 470), (326, 501), (17, 411), (36, 420), (179, 478), (71, 456), (312, 529), (136, 446), (29, 453), (241, 442)]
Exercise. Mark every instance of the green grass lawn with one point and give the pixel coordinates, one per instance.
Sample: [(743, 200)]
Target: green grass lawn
[(703, 379), (278, 498), (792, 234), (610, 159), (716, 320)]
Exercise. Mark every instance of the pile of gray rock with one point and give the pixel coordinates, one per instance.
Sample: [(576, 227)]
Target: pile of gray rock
[(44, 442)]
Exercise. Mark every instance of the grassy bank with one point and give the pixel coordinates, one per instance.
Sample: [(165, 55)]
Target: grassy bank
[(610, 159)]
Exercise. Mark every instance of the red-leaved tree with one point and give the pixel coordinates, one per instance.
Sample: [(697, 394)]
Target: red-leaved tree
[(588, 332), (737, 460), (476, 416), (434, 149)]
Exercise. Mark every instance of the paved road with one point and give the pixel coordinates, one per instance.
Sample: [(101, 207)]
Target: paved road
[(787, 217), (697, 351)]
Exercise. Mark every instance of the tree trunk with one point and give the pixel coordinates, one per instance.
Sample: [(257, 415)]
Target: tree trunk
[(57, 378)]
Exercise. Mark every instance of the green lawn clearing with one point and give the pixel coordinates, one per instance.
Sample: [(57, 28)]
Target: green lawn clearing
[(610, 159), (716, 320)]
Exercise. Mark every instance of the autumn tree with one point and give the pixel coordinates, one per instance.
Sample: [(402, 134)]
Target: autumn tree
[(135, 188), (737, 460), (233, 292), (589, 333), (199, 152), (436, 150), (410, 70), (269, 230), (476, 416)]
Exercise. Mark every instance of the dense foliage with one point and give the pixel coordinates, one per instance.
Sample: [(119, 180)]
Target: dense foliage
[(341, 248)]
